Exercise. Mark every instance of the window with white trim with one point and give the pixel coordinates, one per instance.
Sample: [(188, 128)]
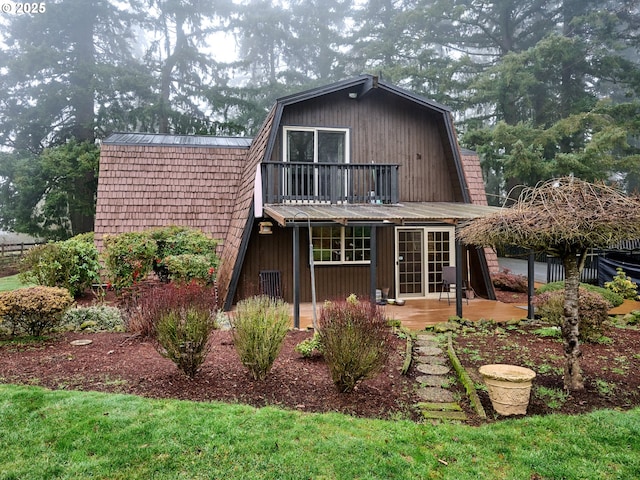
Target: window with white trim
[(307, 147), (341, 245)]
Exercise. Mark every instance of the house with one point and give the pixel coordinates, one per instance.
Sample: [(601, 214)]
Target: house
[(364, 178)]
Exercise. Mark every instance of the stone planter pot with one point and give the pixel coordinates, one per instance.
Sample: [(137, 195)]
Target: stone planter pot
[(509, 387)]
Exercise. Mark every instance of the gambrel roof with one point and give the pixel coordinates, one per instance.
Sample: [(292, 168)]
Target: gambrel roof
[(205, 182)]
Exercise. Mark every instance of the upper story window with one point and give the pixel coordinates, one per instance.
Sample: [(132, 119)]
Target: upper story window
[(315, 154), (316, 145)]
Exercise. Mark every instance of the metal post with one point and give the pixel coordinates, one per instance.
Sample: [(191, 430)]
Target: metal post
[(373, 264), (458, 278), (296, 276), (531, 278)]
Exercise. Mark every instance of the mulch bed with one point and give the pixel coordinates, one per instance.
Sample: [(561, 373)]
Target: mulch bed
[(116, 362), (120, 363)]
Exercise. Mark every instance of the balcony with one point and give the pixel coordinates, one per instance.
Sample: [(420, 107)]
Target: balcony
[(305, 182)]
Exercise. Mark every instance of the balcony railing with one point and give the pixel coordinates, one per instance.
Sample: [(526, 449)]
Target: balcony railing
[(305, 182)]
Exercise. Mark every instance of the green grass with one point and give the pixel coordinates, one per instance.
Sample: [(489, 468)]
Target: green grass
[(11, 283), (62, 434)]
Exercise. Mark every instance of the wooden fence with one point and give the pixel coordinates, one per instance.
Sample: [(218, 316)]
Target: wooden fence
[(16, 249)]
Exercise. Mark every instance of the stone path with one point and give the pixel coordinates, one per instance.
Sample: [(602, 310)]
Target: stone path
[(438, 401)]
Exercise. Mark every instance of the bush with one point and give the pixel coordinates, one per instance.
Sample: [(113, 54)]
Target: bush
[(144, 307), (72, 264), (260, 325), (308, 347), (623, 285), (182, 336), (355, 341), (184, 254), (128, 258), (35, 310), (173, 253), (95, 318), (505, 280), (188, 267), (592, 307), (613, 298)]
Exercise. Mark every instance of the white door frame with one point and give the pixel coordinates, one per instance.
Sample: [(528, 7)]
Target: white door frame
[(446, 260)]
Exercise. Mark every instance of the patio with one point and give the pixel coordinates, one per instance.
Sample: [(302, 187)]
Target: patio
[(416, 314)]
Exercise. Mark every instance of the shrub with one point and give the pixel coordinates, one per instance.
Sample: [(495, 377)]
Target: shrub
[(128, 258), (505, 280), (623, 285), (144, 307), (188, 267), (260, 325), (184, 254), (308, 347), (593, 311), (355, 341), (182, 336), (72, 264), (613, 298), (35, 309), (95, 318), (173, 253)]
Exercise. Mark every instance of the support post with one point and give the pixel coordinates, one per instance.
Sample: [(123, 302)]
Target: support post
[(296, 276), (373, 265), (531, 278), (458, 278)]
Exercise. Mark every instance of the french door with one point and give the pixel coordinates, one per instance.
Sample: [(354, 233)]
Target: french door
[(421, 252)]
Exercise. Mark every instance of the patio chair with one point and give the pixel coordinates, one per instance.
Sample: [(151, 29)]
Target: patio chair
[(448, 281)]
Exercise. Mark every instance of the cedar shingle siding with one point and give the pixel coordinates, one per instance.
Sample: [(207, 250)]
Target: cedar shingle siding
[(142, 186)]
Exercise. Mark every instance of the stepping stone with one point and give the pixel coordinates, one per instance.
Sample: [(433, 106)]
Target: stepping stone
[(432, 380), (427, 337), (433, 369), (431, 360), (421, 343), (429, 351), (435, 394), (435, 406), (461, 416)]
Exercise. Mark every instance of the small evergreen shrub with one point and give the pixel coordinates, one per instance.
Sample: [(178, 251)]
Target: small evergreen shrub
[(34, 310), (623, 285), (72, 264), (308, 347), (96, 318), (593, 311), (143, 308), (613, 298), (505, 280), (259, 325), (355, 341), (182, 336)]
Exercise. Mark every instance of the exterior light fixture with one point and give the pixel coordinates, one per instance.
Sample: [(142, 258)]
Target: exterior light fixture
[(265, 228), (353, 95)]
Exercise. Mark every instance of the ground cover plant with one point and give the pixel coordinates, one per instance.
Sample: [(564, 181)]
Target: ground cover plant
[(611, 367), (121, 436)]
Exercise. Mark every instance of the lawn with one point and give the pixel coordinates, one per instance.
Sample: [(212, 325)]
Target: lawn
[(11, 283), (63, 434)]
